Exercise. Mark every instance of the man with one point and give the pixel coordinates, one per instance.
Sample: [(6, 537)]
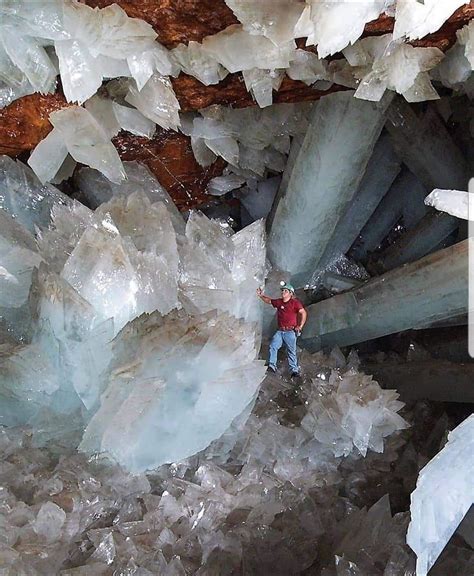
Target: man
[(291, 317)]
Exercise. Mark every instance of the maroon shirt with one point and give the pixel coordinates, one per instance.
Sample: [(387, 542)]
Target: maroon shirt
[(287, 312)]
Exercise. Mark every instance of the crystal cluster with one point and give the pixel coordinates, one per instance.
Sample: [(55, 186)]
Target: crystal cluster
[(77, 136), (140, 332), (380, 63), (267, 495), (456, 68), (356, 415), (251, 140), (88, 46), (92, 45), (83, 135)]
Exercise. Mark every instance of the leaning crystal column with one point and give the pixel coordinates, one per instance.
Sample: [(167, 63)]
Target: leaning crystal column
[(325, 176), (431, 289), (433, 229), (426, 147), (443, 495), (406, 190), (382, 169)]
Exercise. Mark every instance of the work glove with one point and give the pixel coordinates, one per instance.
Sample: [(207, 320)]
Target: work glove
[(297, 332)]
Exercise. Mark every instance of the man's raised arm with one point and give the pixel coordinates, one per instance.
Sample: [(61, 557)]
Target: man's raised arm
[(262, 296)]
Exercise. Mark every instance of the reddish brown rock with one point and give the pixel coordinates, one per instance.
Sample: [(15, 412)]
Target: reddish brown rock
[(193, 95), (170, 157), (177, 21), (25, 122)]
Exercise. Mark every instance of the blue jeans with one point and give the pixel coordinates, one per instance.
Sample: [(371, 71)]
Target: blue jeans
[(288, 338)]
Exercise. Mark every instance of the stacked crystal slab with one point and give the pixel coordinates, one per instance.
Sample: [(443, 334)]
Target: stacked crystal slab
[(139, 333)]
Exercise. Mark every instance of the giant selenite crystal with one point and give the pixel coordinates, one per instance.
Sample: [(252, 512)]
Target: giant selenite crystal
[(144, 332), (381, 171), (406, 191), (428, 290), (443, 495), (325, 176)]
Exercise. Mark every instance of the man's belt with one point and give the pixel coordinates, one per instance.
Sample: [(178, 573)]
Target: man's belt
[(286, 328)]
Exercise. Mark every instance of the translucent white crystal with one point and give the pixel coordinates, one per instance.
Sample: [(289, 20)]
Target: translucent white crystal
[(49, 521), (59, 304), (99, 269), (195, 61), (274, 19), (145, 407), (251, 139), (455, 68), (111, 67), (266, 474), (18, 257), (66, 170), (223, 184), (307, 67), (31, 58), (142, 65), (466, 39), (455, 202), (338, 24), (43, 18), (261, 84), (218, 137), (108, 31), (102, 44), (97, 189), (156, 263), (395, 66), (104, 112), (68, 223), (415, 19), (134, 121), (9, 93), (440, 500), (157, 101), (48, 156), (24, 197), (86, 141), (238, 50), (80, 74), (304, 27), (258, 201)]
